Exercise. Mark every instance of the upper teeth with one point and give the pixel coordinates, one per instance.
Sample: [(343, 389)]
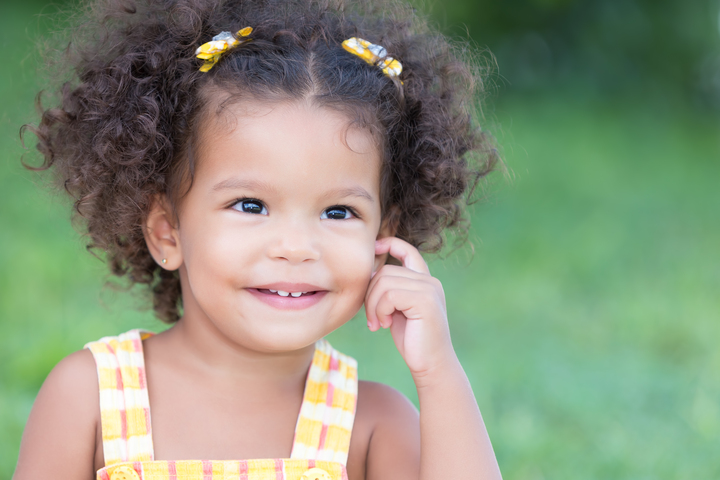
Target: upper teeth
[(285, 294)]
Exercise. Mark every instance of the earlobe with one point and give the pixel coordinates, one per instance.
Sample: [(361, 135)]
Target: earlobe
[(161, 235), (388, 228)]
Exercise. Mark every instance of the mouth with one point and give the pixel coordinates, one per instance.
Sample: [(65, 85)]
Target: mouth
[(291, 296), (282, 293)]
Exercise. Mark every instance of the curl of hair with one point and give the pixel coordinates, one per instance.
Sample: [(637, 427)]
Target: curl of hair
[(124, 129)]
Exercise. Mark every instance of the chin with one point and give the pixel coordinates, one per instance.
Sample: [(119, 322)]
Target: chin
[(279, 336), (279, 344)]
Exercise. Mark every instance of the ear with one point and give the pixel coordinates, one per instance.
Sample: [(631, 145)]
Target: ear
[(388, 228), (161, 235)]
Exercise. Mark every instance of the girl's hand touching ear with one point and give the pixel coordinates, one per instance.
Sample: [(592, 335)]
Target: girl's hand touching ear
[(410, 302)]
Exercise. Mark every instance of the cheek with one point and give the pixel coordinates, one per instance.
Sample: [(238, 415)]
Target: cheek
[(211, 255), (352, 263)]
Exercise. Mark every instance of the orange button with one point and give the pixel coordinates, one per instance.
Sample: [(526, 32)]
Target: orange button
[(315, 474), (124, 473)]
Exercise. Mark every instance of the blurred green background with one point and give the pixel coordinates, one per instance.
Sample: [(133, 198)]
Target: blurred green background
[(588, 316)]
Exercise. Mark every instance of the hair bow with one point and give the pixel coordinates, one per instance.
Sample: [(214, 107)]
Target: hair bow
[(220, 44), (374, 55)]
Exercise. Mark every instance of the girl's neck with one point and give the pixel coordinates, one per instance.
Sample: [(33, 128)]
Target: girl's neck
[(207, 350)]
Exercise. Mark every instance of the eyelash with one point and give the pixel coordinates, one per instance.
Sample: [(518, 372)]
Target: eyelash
[(350, 210), (240, 201)]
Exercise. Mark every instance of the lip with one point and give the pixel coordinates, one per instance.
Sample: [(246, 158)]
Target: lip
[(290, 287), (289, 302)]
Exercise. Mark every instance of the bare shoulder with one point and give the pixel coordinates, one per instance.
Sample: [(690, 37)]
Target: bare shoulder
[(386, 435), (77, 370), (384, 403), (62, 426)]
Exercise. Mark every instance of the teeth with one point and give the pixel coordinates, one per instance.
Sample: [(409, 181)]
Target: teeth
[(285, 294)]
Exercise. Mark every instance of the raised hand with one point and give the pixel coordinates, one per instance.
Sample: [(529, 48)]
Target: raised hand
[(411, 302)]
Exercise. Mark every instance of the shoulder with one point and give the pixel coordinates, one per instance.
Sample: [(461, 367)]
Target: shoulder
[(61, 429), (76, 370), (382, 402), (71, 385), (386, 435), (380, 407)]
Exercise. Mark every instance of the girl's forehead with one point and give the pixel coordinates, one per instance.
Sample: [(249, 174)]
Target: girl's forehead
[(282, 139), (301, 116)]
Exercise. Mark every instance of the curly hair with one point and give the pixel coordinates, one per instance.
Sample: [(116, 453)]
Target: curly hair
[(124, 130)]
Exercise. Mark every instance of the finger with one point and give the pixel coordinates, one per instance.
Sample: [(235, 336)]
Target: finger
[(403, 251), (397, 330), (406, 294), (383, 283), (394, 301), (394, 271)]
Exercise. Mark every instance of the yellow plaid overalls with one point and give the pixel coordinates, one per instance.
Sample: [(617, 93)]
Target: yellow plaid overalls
[(322, 432)]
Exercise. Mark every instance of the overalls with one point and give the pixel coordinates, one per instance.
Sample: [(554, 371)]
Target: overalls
[(322, 433)]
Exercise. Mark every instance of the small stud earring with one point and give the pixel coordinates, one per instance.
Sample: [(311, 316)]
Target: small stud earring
[(164, 260)]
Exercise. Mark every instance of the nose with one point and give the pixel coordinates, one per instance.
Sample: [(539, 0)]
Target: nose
[(294, 243)]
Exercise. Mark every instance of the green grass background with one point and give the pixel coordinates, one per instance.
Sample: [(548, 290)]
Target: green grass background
[(587, 317)]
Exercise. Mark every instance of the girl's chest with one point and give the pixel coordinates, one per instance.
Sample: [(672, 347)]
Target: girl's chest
[(162, 417), (222, 419), (192, 421)]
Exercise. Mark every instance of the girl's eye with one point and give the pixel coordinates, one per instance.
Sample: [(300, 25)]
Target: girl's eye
[(337, 213), (251, 206)]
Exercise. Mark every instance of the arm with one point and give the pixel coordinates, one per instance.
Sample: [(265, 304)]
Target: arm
[(59, 437), (452, 431), (453, 440), (385, 440)]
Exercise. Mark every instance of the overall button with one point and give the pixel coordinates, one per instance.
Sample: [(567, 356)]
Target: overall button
[(314, 474), (125, 473)]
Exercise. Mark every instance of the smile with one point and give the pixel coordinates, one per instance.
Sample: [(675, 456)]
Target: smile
[(288, 296), (284, 294)]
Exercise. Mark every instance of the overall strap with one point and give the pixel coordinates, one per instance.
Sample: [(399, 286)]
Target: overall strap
[(124, 402), (327, 414)]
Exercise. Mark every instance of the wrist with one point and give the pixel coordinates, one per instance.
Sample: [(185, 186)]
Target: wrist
[(446, 369)]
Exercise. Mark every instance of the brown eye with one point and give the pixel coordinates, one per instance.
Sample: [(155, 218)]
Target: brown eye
[(337, 213), (251, 206)]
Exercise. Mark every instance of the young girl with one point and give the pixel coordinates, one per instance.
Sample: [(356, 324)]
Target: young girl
[(259, 164)]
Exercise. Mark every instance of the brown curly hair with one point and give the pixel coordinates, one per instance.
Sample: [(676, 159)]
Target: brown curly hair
[(124, 130)]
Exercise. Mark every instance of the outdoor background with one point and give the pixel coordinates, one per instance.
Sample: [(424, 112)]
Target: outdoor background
[(588, 317)]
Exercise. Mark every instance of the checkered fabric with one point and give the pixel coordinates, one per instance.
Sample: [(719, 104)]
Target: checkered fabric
[(328, 409), (322, 432), (262, 469), (124, 403)]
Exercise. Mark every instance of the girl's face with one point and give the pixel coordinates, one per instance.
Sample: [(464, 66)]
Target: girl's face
[(276, 237)]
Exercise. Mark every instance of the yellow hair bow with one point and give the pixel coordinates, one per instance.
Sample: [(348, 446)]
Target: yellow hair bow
[(220, 43), (374, 55)]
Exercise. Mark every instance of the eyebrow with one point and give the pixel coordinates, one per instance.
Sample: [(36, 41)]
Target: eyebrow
[(356, 191), (238, 184)]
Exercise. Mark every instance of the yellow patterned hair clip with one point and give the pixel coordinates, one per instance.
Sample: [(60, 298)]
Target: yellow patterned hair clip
[(220, 43), (374, 55)]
